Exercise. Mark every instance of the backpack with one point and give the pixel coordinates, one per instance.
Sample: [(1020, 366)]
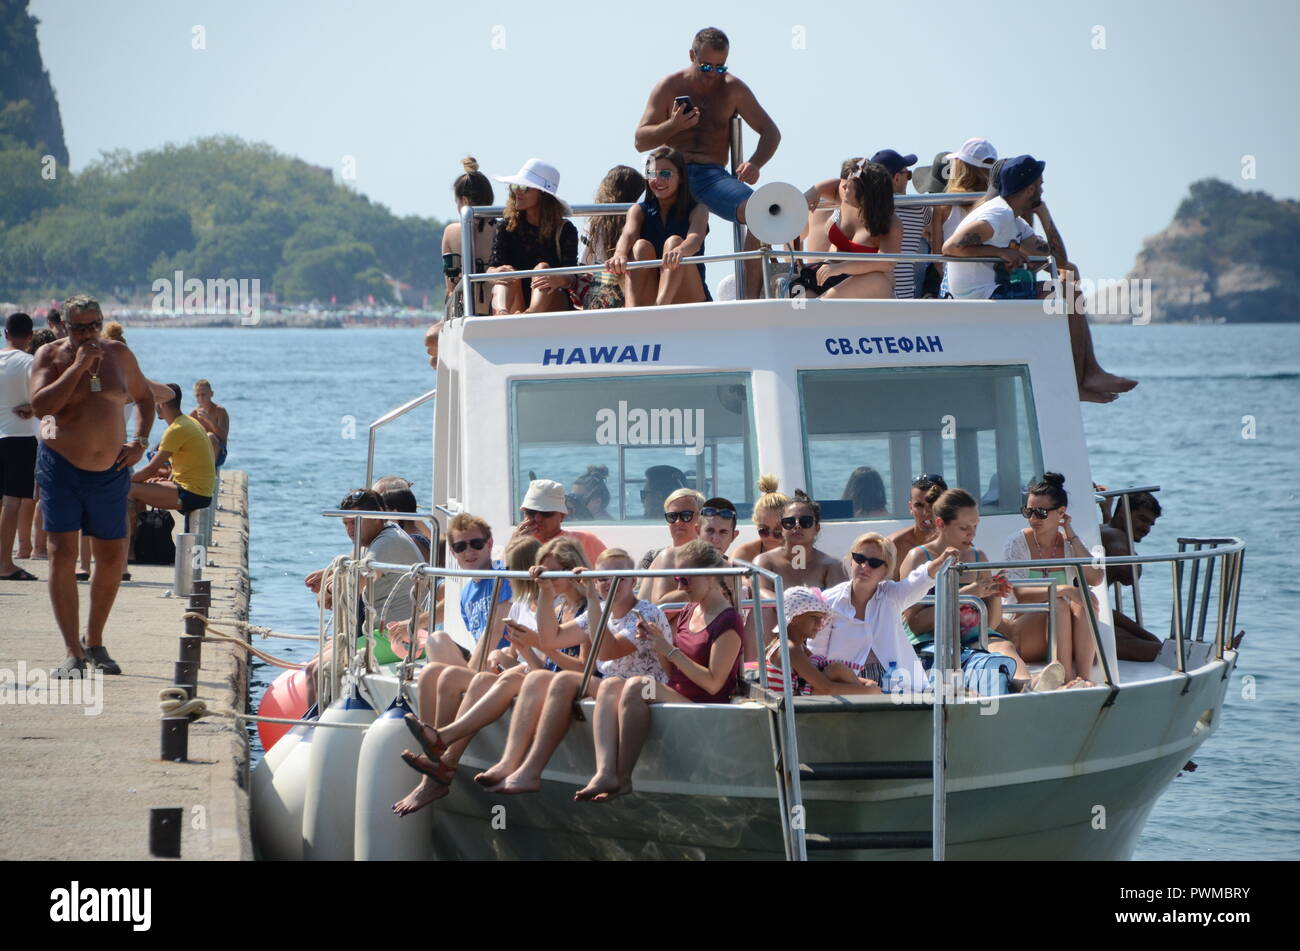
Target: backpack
[(153, 538)]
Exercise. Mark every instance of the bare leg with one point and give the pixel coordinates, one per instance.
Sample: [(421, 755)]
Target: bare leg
[(9, 510), (639, 285), (556, 716), (110, 560), (604, 728), (1085, 647), (507, 298), (753, 269), (877, 285), (488, 698), (1095, 384), (998, 646), (452, 686), (633, 726), (26, 513), (84, 548), (546, 302), (63, 588), (523, 723)]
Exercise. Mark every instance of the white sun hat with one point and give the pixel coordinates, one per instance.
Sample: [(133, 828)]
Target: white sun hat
[(977, 152), (545, 495), (540, 175), (803, 600)]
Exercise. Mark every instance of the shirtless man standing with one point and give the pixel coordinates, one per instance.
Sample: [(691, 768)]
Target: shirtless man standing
[(79, 385), (691, 111)]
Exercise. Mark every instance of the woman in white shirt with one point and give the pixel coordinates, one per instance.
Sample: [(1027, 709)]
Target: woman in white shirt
[(866, 629)]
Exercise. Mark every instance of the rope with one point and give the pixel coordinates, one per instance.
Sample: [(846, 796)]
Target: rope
[(174, 702), (264, 632), (216, 634)]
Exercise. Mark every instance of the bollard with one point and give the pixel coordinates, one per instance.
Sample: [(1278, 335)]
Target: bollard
[(175, 739), (183, 578), (187, 673), (191, 690), (191, 649), (203, 586), (165, 832), (194, 627)]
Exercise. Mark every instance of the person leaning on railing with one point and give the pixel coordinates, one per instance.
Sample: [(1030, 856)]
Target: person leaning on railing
[(669, 225), (1132, 640), (534, 235)]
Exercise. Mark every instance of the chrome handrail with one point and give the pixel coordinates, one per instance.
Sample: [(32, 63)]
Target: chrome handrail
[(384, 420)]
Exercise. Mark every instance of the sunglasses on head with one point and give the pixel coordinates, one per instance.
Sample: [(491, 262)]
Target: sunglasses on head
[(353, 497), (710, 512), (475, 543), (1034, 511), (803, 521), (927, 479), (862, 559), (683, 517), (765, 532), (708, 68)]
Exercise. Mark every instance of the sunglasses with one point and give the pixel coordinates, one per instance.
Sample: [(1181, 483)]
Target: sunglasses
[(90, 326), (803, 521), (664, 174), (534, 515), (520, 189), (681, 581), (1036, 512), (765, 532), (475, 543), (710, 512), (708, 68), (927, 479), (862, 559), (684, 517)]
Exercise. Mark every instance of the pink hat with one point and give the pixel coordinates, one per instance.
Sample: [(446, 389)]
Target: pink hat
[(803, 600)]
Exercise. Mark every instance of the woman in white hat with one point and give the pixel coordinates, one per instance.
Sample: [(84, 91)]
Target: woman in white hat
[(968, 171), (533, 235)]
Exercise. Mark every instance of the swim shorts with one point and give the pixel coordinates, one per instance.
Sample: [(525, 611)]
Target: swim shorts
[(18, 466), (75, 499), (190, 501), (721, 191)]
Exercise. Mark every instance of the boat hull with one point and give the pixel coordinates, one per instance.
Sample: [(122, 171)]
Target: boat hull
[(1068, 775)]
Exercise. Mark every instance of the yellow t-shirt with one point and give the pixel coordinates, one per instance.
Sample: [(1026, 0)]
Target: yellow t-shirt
[(193, 468)]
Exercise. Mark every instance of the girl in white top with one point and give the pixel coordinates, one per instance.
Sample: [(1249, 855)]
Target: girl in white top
[(867, 612), (545, 706)]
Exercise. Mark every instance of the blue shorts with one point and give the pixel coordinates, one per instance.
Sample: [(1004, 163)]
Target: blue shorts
[(721, 191), (221, 457), (75, 499), (191, 501)]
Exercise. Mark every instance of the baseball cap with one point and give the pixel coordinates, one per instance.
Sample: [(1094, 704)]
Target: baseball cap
[(1018, 174), (893, 161), (978, 152)]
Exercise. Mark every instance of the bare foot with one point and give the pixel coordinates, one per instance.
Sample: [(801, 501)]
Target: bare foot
[(422, 764), (24, 555), (493, 775), (599, 786), (623, 790), (517, 782), (429, 739), (1096, 396), (1107, 382), (40, 555), (428, 791)]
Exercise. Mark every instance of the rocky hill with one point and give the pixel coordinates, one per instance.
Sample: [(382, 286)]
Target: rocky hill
[(29, 110), (1229, 255)]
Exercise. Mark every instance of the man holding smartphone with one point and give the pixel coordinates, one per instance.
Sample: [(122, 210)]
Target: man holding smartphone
[(691, 111)]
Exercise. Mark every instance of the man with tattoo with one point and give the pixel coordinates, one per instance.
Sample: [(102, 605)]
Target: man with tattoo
[(79, 386), (691, 111), (1095, 384)]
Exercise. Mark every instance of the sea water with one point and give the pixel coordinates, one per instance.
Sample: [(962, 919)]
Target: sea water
[(1214, 422)]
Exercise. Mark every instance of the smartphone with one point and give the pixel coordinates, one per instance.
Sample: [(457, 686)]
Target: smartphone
[(687, 105)]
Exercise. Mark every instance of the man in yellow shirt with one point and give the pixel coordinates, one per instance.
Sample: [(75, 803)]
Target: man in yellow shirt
[(185, 446)]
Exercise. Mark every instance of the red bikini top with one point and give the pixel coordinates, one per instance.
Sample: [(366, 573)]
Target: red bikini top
[(841, 240)]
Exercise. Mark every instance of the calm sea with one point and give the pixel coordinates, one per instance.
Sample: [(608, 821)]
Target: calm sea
[(1213, 422)]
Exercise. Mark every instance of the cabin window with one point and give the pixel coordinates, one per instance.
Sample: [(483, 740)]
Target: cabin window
[(868, 432), (691, 429)]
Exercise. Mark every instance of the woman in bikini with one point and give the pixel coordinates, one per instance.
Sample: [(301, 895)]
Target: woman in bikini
[(1050, 535), (864, 223), (767, 519), (471, 188)]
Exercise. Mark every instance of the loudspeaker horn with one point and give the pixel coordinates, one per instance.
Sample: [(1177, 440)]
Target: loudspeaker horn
[(776, 213)]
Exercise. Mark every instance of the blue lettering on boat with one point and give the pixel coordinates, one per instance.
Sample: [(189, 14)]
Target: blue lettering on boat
[(844, 347), (628, 353)]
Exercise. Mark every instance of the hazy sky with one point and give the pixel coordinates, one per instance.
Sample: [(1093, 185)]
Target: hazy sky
[(1180, 91)]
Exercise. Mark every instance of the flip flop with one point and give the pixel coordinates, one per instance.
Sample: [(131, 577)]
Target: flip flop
[(418, 729), (21, 574), (83, 575), (441, 774)]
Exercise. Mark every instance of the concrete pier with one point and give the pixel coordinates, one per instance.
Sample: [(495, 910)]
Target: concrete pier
[(80, 784)]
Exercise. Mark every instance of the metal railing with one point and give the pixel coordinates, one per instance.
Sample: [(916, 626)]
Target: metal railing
[(384, 420), (1228, 551)]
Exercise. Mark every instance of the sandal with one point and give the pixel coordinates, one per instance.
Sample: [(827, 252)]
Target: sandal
[(442, 774), (83, 575), (21, 574), (420, 730)]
